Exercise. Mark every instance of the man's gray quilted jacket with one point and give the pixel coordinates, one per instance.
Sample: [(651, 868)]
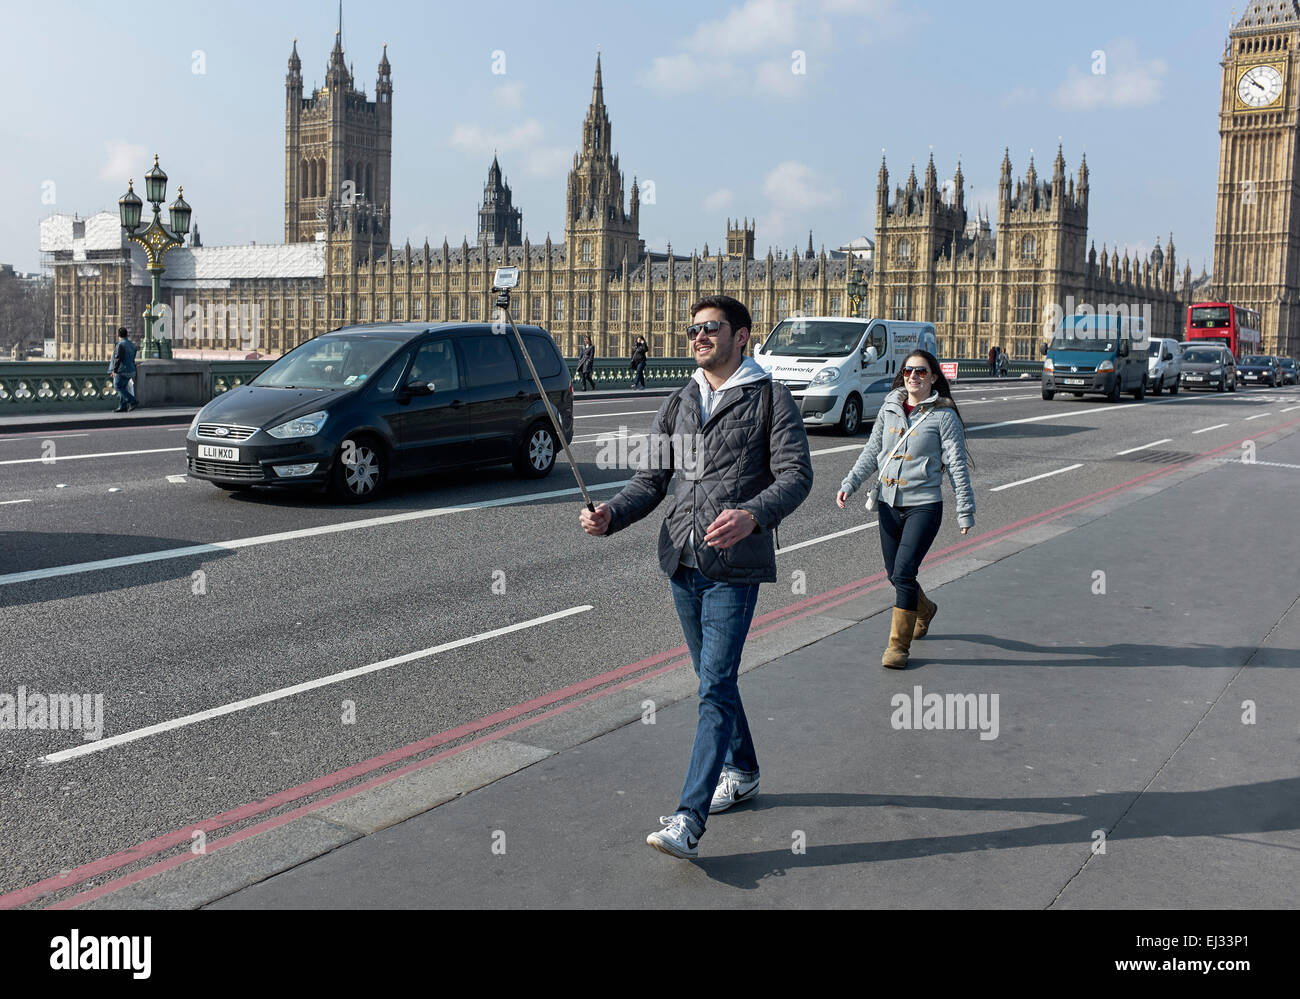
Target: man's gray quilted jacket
[(726, 467)]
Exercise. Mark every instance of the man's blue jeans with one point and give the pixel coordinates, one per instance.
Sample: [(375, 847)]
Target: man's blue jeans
[(120, 386), (715, 620)]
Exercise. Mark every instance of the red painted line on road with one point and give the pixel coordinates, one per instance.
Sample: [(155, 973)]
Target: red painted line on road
[(822, 601)]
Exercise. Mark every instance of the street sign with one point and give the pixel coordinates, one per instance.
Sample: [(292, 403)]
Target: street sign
[(949, 369)]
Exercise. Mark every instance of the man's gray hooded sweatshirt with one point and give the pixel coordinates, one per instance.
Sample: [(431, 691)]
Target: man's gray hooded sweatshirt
[(726, 456)]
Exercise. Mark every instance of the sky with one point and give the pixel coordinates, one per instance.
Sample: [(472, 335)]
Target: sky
[(773, 109)]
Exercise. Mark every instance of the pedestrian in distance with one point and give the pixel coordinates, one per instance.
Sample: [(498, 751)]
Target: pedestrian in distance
[(1004, 363), (993, 359), (640, 351), (122, 368), (586, 361), (918, 434), (749, 470)]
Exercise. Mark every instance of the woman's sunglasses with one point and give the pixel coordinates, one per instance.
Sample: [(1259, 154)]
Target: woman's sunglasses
[(907, 372)]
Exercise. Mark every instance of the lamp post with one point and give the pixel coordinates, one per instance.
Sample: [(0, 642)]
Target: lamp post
[(156, 239), (857, 288)]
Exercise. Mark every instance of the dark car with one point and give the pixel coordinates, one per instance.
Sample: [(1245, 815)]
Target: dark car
[(1290, 371), (1210, 367), (1260, 369), (353, 408)]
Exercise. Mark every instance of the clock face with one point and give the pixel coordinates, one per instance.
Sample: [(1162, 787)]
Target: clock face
[(1259, 86)]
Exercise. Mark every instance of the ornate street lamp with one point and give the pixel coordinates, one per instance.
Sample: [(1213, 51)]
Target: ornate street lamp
[(156, 239), (857, 289)]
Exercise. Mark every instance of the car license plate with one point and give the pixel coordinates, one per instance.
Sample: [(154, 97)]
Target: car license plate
[(1076, 381), (219, 453), (1251, 378), (1195, 378)]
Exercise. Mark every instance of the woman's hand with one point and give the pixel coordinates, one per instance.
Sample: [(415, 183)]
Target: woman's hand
[(964, 530), (840, 497)]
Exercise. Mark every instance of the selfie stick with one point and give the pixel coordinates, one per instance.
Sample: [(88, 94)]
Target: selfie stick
[(505, 279)]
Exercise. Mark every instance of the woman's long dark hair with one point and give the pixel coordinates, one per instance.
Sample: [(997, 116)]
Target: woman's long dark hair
[(941, 386)]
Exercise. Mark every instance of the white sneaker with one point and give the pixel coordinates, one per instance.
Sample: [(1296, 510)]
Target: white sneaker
[(675, 839), (733, 788)]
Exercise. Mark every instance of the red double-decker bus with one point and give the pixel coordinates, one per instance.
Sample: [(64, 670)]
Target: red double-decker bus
[(1233, 325)]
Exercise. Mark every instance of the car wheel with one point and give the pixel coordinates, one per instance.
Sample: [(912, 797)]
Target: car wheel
[(1223, 385), (1173, 389), (536, 455), (1114, 391), (1049, 395), (851, 418), (1233, 386), (360, 470), (1158, 387), (1140, 392)]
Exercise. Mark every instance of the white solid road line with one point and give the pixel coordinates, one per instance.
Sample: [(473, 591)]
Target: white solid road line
[(1257, 416), (826, 537), (601, 416), (1035, 478), (275, 695), (307, 532), (10, 502), (1143, 447), (74, 457), (1289, 408), (1207, 429)]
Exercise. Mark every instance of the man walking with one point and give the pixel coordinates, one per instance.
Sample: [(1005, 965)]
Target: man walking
[(993, 359), (122, 368), (748, 469), (586, 361)]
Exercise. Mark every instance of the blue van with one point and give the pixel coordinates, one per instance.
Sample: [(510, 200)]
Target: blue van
[(1097, 354)]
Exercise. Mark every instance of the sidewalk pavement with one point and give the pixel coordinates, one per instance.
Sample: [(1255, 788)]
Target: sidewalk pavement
[(1144, 749), (146, 416)]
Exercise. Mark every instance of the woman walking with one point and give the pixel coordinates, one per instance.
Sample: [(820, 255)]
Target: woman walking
[(586, 361), (917, 435)]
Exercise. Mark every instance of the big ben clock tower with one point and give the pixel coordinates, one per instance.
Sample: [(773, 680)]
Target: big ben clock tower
[(1257, 220)]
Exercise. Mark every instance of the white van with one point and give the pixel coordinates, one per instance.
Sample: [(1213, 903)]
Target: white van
[(1164, 365), (838, 368)]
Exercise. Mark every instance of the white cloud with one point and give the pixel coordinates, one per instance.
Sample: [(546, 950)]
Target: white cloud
[(683, 73), (1020, 96), (1116, 77), (719, 201), (123, 161), (509, 95), (777, 79), (754, 26), (476, 139), (770, 30), (794, 191)]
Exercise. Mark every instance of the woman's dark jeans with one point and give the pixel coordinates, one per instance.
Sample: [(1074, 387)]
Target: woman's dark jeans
[(906, 534)]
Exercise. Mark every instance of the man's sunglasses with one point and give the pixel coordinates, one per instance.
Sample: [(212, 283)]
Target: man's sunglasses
[(712, 326), (915, 371)]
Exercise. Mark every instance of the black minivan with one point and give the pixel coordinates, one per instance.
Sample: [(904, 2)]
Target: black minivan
[(353, 408)]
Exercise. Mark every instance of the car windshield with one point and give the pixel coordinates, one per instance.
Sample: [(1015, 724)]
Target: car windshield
[(813, 338), (1288, 363), (1209, 318), (330, 362), (1202, 356), (1258, 359)]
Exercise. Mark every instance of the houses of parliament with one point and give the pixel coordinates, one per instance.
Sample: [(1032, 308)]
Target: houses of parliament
[(979, 279)]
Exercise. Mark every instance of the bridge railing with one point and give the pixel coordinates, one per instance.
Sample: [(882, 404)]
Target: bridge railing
[(33, 387)]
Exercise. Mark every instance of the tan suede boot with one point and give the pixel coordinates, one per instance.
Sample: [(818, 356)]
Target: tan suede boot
[(925, 611), (901, 627)]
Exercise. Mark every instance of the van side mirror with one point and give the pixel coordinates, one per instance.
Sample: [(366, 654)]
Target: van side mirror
[(1122, 350), (418, 388), (869, 355)]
